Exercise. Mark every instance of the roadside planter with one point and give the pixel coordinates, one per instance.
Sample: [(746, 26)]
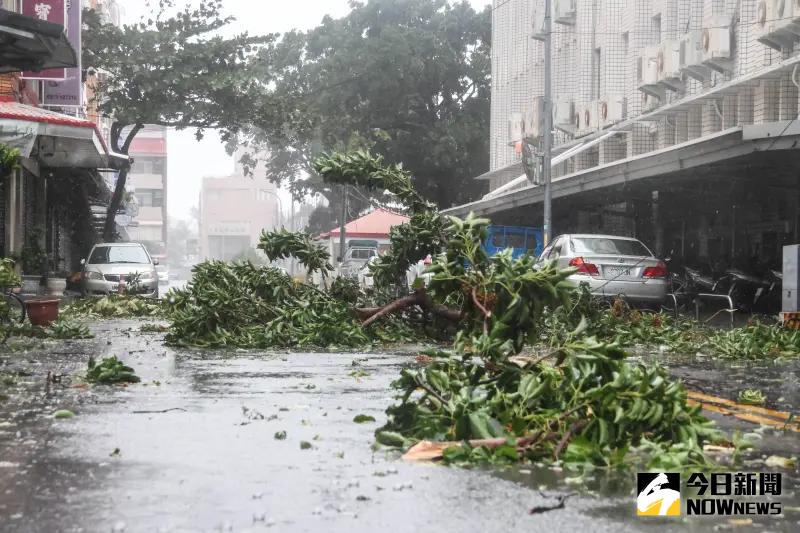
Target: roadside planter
[(30, 283), (56, 286), (42, 312)]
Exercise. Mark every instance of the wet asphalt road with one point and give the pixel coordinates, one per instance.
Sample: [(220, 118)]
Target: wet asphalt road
[(211, 462)]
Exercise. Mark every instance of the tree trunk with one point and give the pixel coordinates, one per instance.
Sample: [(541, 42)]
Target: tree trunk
[(109, 230)]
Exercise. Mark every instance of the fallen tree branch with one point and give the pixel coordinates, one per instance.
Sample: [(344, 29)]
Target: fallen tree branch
[(419, 297), (574, 428)]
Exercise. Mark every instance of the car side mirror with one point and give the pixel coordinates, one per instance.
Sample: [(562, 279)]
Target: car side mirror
[(155, 262), (83, 261)]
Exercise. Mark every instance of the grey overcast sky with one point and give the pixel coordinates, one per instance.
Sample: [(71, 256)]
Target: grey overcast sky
[(189, 160)]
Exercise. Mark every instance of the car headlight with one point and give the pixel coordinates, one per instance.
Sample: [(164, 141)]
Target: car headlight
[(146, 276), (91, 274)]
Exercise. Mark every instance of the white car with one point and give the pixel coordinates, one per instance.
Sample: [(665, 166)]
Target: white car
[(118, 267), (612, 266)]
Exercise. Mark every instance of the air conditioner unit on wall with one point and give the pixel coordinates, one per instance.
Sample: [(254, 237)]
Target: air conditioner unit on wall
[(776, 23), (515, 128), (587, 118), (564, 115), (565, 11), (716, 42), (691, 56), (669, 65), (649, 103), (533, 119), (611, 109), (647, 72), (787, 17)]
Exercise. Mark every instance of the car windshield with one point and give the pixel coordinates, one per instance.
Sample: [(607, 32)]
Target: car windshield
[(606, 246), (105, 255)]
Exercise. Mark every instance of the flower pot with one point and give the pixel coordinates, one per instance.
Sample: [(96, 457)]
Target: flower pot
[(42, 312), (56, 286), (31, 283)]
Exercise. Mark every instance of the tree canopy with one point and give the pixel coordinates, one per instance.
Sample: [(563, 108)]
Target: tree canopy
[(175, 69), (409, 80)]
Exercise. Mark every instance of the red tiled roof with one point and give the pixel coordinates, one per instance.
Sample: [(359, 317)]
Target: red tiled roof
[(17, 111), (378, 223)]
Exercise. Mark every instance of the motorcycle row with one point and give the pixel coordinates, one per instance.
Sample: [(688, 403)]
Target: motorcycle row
[(751, 291)]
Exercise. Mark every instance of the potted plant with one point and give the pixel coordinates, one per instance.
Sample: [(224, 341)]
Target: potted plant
[(9, 159), (34, 261), (56, 283), (8, 276)]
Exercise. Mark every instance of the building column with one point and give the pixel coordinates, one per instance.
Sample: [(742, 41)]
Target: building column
[(787, 98), (765, 102), (694, 124), (658, 229), (744, 104), (681, 128)]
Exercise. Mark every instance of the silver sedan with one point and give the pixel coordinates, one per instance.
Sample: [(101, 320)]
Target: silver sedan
[(612, 266), (120, 267)]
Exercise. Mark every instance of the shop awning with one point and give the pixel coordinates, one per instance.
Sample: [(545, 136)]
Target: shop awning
[(27, 43), (55, 140), (688, 157)]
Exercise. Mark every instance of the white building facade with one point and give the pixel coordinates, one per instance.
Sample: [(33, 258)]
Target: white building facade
[(650, 90)]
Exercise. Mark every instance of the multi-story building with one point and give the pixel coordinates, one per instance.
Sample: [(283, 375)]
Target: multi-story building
[(233, 211), (48, 200), (674, 120), (147, 181)]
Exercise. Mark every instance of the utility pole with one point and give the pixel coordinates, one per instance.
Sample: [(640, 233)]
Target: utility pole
[(547, 142), (343, 221), (291, 226)]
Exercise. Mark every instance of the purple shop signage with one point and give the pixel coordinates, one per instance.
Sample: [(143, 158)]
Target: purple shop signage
[(55, 12), (70, 91)]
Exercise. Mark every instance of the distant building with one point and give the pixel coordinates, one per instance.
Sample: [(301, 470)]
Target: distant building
[(233, 212), (148, 183)]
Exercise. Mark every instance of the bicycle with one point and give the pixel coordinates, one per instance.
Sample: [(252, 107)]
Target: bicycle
[(12, 307)]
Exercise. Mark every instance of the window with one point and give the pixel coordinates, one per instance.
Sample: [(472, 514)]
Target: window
[(148, 165), (10, 5), (150, 197), (515, 240), (362, 253), (265, 194), (656, 29), (104, 255), (609, 246), (596, 70)]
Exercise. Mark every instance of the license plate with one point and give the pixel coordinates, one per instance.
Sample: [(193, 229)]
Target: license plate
[(613, 272)]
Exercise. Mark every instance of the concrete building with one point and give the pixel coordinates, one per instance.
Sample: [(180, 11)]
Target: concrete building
[(233, 212), (47, 201), (147, 181), (674, 121)]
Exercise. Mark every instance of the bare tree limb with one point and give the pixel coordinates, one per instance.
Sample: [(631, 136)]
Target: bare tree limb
[(419, 297)]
